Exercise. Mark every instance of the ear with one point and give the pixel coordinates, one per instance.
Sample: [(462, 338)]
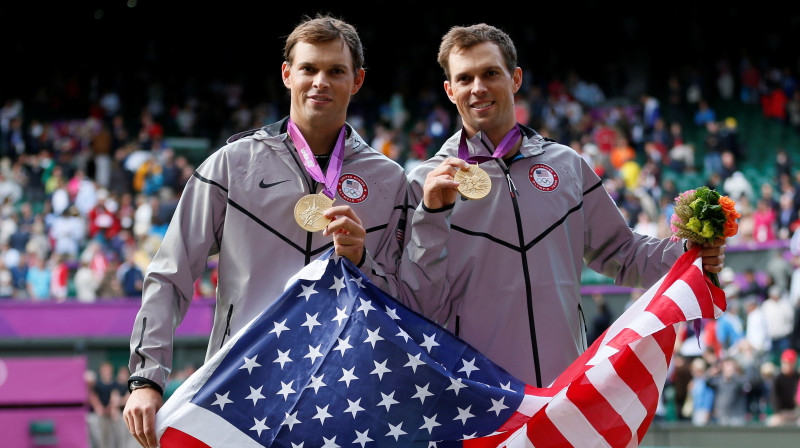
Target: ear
[(358, 81), (286, 75), (449, 91), (517, 79)]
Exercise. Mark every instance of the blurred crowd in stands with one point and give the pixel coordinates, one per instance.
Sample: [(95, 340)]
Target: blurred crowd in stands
[(85, 198)]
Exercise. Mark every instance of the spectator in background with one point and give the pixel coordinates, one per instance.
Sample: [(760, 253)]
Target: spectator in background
[(102, 218), (774, 102), (10, 191), (601, 321), (704, 114), (756, 328), (793, 111), (750, 77), (130, 277), (784, 391), (105, 398), (764, 222), (701, 393), (86, 283), (783, 164), (37, 278), (787, 216), (59, 277), (6, 281), (712, 160), (729, 138), (730, 398), (68, 233), (737, 185), (729, 166), (751, 286), (779, 314)]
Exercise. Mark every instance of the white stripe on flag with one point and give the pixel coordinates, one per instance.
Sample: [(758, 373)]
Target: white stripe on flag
[(618, 394), (569, 420), (686, 299), (210, 428), (531, 404), (519, 439), (602, 354), (646, 323), (652, 356)]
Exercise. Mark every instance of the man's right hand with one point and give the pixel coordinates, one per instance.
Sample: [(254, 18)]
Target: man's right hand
[(140, 415), (440, 189)]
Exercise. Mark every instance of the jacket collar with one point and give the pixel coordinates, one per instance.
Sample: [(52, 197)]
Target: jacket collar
[(532, 143)]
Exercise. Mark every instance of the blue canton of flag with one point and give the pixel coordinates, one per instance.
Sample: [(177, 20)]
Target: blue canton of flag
[(337, 362)]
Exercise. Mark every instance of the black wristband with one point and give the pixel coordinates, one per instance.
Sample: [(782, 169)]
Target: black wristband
[(138, 382), (437, 210)]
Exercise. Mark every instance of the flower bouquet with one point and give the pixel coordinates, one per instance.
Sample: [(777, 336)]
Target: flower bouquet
[(703, 215)]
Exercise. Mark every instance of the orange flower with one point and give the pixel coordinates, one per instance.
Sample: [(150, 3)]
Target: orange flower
[(729, 208), (731, 227)]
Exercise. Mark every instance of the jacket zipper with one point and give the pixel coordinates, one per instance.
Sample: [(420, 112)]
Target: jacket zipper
[(525, 273), (227, 331), (584, 329), (141, 339), (312, 188)]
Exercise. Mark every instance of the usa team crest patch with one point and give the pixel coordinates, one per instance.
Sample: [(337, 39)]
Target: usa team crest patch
[(352, 188), (543, 177)]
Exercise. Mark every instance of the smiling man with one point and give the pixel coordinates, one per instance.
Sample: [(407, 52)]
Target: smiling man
[(269, 202), (501, 266)]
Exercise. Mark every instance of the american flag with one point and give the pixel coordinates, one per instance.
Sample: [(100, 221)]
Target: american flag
[(336, 362)]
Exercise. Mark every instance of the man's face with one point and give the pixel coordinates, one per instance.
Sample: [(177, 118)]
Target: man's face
[(483, 89), (321, 81)]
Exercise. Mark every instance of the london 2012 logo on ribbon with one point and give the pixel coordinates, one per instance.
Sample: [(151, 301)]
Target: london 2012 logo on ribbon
[(543, 177), (352, 188)]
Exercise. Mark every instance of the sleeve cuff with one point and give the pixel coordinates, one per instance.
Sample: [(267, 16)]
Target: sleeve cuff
[(437, 210)]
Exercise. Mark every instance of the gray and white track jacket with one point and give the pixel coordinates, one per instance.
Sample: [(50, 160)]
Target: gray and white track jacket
[(503, 272), (240, 204)]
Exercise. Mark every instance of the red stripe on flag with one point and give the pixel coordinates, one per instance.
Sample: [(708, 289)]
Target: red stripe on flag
[(623, 338), (602, 416), (666, 340), (678, 269), (631, 370), (544, 434), (175, 438), (667, 311)]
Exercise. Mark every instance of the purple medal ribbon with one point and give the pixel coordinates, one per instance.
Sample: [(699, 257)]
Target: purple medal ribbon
[(508, 142), (328, 179)]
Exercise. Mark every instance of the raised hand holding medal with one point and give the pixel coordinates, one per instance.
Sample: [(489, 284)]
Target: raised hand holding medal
[(308, 212), (475, 183)]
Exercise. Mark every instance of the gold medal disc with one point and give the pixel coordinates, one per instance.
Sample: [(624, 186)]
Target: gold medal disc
[(473, 183), (308, 211)]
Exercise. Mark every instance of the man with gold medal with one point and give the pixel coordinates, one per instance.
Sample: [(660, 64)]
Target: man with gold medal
[(269, 202), (505, 220)]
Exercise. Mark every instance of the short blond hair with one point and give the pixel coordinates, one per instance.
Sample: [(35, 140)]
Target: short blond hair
[(467, 36), (324, 28)]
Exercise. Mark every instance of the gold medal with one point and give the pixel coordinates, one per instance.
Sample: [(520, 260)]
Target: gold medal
[(473, 183), (308, 211)]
